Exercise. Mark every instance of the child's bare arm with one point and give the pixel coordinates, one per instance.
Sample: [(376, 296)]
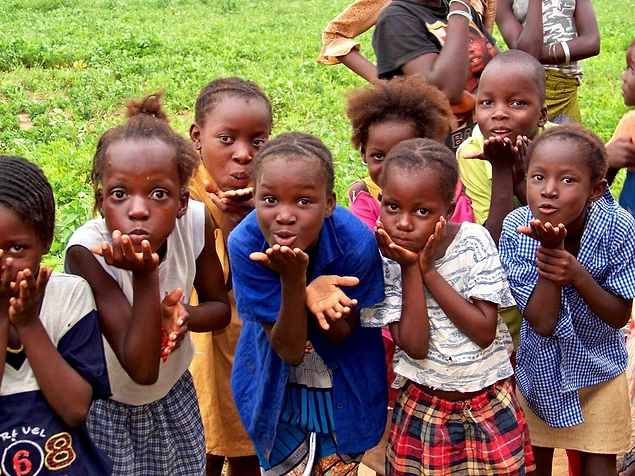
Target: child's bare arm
[(6, 271), (288, 334), (412, 331), (501, 154), (65, 390), (476, 320), (133, 332), (562, 268), (528, 38), (621, 153), (213, 311), (543, 308), (360, 65)]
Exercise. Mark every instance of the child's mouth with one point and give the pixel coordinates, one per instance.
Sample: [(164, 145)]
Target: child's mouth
[(284, 238)]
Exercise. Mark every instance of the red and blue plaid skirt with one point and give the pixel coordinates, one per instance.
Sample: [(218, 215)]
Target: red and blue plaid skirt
[(485, 435)]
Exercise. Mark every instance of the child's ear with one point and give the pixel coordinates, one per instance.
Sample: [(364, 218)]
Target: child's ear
[(100, 201), (542, 120), (598, 190), (195, 136), (362, 151), (450, 211), (183, 201), (331, 203)]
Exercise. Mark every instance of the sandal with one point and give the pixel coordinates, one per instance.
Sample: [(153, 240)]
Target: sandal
[(627, 460)]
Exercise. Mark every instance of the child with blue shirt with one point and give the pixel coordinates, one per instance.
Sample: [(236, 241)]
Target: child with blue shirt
[(309, 385), (568, 258)]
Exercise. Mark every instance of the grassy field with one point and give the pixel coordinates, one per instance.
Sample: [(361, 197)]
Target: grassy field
[(65, 66)]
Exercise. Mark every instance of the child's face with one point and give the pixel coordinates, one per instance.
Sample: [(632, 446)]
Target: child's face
[(382, 137), (559, 185), (229, 139), (628, 78), (411, 206), (507, 103), (141, 194), (477, 51), (19, 241), (291, 201)]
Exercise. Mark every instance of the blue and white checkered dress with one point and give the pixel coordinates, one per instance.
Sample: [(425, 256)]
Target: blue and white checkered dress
[(584, 350)]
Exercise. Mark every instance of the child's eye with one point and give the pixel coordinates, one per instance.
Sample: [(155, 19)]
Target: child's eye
[(537, 177), (16, 248), (159, 194), (392, 207), (568, 180), (486, 102), (269, 200), (225, 139), (303, 202), (258, 142), (517, 103), (422, 212), (118, 194)]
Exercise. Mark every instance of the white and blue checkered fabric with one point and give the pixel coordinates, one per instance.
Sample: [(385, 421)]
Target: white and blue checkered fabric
[(584, 350)]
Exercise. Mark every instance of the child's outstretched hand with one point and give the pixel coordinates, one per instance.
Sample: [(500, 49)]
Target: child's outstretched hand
[(522, 146), (236, 204), (29, 290), (121, 254), (174, 319), (499, 151), (326, 300), (391, 250), (284, 260), (428, 255), (557, 265), (548, 235)]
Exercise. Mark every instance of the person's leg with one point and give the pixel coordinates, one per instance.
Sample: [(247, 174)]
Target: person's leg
[(544, 460), (573, 457), (597, 465), (214, 465), (627, 464), (243, 466)]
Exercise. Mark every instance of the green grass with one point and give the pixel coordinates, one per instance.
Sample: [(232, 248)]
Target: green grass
[(65, 66)]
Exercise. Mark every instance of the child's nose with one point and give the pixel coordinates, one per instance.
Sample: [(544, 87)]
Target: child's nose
[(285, 216), (550, 189), (242, 154), (500, 112), (405, 222), (138, 209)]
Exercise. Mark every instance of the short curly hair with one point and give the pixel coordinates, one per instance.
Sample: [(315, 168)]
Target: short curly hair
[(590, 146), (417, 155), (147, 120), (409, 99)]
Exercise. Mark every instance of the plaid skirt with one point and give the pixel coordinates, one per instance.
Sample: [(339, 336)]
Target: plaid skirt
[(485, 435), (160, 438)]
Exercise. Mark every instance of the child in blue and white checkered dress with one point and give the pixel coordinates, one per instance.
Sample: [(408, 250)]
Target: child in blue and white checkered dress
[(569, 260), (141, 259)]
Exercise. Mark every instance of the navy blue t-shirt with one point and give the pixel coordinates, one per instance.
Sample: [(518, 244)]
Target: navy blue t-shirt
[(33, 439)]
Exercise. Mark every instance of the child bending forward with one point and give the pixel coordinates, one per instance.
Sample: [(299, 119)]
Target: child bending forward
[(310, 389), (456, 412)]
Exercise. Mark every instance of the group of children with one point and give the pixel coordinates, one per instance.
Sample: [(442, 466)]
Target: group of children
[(95, 378)]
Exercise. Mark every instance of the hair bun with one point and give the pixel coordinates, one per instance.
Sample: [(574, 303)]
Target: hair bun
[(150, 105)]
